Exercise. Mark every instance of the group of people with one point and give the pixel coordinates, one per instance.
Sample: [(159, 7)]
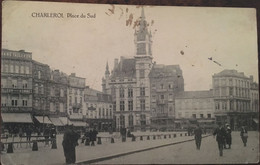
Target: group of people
[(223, 137), (70, 141), (90, 136)]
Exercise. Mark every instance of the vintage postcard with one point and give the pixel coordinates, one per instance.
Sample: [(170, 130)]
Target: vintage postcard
[(125, 84)]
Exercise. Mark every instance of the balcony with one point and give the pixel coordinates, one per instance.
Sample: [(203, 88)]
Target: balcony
[(161, 102), (76, 105), (15, 109), (16, 91)]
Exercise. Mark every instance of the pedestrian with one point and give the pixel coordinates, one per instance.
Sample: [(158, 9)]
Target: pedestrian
[(123, 134), (28, 133), (221, 134), (244, 135), (197, 136), (70, 141), (92, 138), (228, 137), (20, 133)]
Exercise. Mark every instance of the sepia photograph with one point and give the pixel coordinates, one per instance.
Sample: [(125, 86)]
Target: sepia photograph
[(85, 83)]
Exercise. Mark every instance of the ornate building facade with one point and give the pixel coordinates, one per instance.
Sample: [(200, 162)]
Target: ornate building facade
[(16, 81), (75, 93), (195, 106), (129, 83), (166, 81), (41, 76), (231, 90), (97, 109)]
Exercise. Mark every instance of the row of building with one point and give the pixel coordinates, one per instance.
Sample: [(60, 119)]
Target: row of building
[(137, 93), (28, 86)]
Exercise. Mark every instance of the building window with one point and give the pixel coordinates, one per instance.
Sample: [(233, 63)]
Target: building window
[(231, 105), (41, 89), (130, 105), (114, 106), (113, 92), (209, 115), (14, 83), (61, 107), (16, 69), (130, 92), (131, 120), (230, 82), (22, 69), (162, 97), (224, 105), (70, 100), (170, 86), (36, 88), (161, 86), (61, 93), (142, 105), (27, 70), (194, 116), (11, 69), (142, 91), (216, 105), (201, 116), (5, 68), (122, 105), (142, 73), (122, 121), (230, 91), (121, 92), (223, 92), (14, 102), (39, 74), (52, 107)]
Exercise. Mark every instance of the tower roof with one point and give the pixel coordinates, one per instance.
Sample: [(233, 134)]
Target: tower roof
[(107, 69)]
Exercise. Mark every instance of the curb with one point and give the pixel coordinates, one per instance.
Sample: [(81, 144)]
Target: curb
[(132, 152)]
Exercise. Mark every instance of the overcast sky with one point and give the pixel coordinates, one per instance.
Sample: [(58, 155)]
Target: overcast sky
[(186, 36)]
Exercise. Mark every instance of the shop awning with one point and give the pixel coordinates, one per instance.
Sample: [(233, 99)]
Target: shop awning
[(56, 121), (79, 123), (206, 121), (16, 118), (256, 121), (76, 116), (65, 121), (43, 120)]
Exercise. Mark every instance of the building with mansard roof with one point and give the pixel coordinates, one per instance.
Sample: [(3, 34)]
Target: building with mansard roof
[(166, 82), (129, 83), (231, 90)]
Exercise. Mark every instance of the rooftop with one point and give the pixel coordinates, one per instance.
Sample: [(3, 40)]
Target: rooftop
[(195, 94)]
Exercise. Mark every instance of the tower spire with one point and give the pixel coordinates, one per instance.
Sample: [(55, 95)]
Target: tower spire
[(107, 70)]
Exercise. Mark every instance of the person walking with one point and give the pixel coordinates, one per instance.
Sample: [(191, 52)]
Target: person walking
[(244, 135), (197, 136), (220, 132), (28, 133), (228, 137), (69, 143)]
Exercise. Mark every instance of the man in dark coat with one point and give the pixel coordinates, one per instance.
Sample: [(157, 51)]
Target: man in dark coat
[(228, 137), (221, 134), (197, 136), (244, 135), (70, 141), (123, 134)]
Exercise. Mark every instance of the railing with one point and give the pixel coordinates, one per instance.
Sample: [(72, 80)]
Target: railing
[(16, 91)]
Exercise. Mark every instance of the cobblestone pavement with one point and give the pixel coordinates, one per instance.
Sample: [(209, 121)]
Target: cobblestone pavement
[(46, 155), (186, 153)]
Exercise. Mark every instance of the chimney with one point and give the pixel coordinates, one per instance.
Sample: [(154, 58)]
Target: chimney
[(115, 63), (252, 78)]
